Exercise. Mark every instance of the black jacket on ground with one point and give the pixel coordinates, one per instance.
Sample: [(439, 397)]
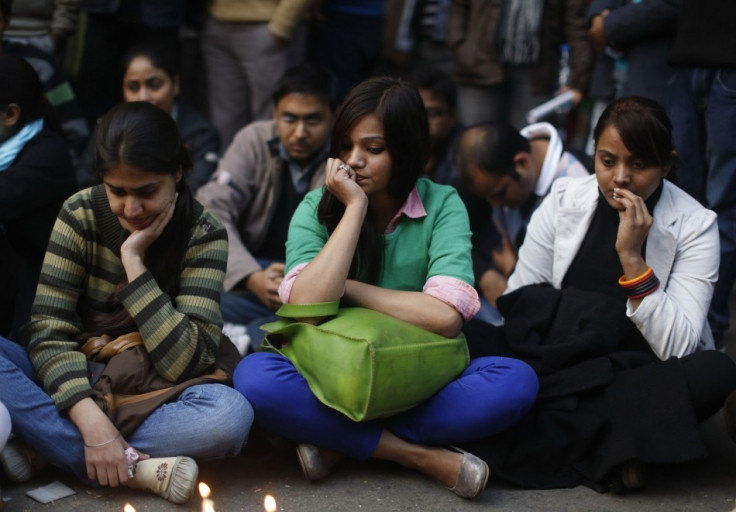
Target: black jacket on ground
[(604, 397)]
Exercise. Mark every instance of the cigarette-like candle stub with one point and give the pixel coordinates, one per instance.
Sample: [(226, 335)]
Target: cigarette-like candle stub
[(269, 503)]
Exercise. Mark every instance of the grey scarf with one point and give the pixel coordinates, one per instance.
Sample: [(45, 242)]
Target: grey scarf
[(519, 31)]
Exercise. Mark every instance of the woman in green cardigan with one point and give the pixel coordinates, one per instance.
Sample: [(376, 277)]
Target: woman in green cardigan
[(379, 237)]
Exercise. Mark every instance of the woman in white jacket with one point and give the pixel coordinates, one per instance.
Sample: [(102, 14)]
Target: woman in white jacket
[(634, 219), (634, 242)]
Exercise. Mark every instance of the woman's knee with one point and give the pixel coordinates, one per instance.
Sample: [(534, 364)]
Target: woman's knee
[(14, 354), (711, 378), (517, 380), (228, 415), (259, 378)]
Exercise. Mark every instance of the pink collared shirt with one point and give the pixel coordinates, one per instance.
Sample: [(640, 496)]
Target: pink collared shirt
[(452, 291)]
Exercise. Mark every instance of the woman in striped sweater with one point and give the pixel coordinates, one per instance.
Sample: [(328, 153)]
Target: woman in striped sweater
[(136, 253)]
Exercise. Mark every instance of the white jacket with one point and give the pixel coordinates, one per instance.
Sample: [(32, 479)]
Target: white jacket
[(682, 247)]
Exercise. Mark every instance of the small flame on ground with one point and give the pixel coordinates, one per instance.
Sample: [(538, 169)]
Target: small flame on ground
[(128, 508), (269, 503), (204, 490)]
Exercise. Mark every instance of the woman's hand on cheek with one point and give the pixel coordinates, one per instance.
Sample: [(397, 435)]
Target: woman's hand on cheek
[(340, 181), (133, 250), (139, 241), (634, 224)]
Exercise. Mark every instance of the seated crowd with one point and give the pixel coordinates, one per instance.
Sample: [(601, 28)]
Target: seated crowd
[(575, 279)]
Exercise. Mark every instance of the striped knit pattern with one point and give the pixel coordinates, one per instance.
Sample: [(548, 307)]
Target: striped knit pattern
[(81, 270)]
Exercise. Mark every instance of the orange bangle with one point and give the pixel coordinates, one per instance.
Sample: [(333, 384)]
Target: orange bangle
[(633, 282)]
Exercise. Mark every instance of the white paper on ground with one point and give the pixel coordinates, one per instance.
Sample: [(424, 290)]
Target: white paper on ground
[(51, 492)]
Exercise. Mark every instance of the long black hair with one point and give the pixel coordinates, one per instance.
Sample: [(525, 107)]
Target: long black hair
[(141, 135), (400, 109)]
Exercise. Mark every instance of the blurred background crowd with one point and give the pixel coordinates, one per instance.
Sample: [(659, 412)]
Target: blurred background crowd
[(216, 65)]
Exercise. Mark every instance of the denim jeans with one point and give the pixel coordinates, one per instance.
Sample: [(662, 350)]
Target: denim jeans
[(702, 107), (206, 421), (491, 395), (349, 46)]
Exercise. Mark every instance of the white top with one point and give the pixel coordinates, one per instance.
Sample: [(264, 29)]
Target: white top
[(682, 248)]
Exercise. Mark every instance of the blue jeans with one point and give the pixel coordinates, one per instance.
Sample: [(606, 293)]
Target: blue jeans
[(491, 395), (206, 421), (349, 46), (702, 106)]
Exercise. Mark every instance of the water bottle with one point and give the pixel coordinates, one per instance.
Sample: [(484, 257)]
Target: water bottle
[(564, 73)]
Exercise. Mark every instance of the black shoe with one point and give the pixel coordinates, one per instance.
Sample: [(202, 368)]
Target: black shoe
[(632, 474)]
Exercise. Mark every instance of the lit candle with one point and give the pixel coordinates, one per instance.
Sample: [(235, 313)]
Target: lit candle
[(128, 508), (269, 503), (207, 504)]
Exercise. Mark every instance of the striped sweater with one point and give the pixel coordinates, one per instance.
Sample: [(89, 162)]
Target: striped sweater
[(80, 272)]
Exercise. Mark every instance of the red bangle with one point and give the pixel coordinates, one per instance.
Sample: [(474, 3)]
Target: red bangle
[(642, 295)]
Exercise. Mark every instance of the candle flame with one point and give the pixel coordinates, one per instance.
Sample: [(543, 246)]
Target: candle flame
[(204, 490), (128, 508), (269, 503)]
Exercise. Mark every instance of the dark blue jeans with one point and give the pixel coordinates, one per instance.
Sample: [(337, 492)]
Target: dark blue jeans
[(702, 107)]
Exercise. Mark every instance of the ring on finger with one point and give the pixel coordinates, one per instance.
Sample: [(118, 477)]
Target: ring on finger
[(344, 167)]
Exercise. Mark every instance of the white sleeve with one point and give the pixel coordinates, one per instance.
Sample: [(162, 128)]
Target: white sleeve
[(672, 318)]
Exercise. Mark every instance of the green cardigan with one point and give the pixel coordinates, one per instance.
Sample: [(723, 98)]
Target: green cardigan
[(435, 245), (80, 272)]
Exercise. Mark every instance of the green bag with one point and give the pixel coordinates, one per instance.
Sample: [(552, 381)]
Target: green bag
[(363, 363)]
